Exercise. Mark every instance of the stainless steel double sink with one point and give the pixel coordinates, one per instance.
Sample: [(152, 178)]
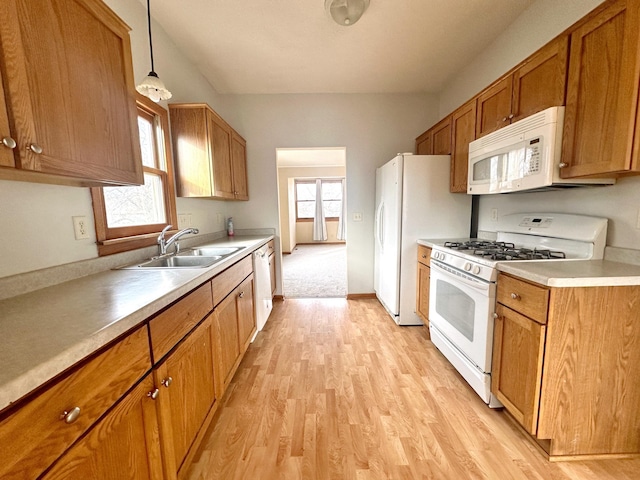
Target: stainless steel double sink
[(198, 257)]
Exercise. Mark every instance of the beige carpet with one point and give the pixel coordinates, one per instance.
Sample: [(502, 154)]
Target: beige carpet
[(318, 271)]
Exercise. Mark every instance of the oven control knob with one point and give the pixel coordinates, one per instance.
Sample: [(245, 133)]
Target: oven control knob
[(467, 267), (476, 270), (436, 255)]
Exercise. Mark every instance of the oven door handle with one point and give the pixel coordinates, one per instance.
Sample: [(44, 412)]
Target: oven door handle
[(480, 285)]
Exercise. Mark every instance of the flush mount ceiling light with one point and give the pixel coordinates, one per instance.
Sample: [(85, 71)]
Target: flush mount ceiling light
[(346, 12), (152, 86)]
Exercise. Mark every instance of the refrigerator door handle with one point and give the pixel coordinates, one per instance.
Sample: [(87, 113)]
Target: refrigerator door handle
[(380, 224)]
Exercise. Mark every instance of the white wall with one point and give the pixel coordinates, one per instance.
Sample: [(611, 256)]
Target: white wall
[(534, 28), (37, 218), (373, 128)]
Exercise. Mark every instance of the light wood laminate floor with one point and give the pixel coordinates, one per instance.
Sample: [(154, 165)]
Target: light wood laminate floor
[(333, 389)]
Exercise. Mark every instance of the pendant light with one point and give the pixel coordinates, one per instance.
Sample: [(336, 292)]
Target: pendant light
[(346, 12), (152, 86)]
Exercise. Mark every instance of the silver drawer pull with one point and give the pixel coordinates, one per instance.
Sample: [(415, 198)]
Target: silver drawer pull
[(35, 148), (153, 394), (9, 142), (167, 382), (70, 416), (563, 165), (496, 316), (515, 296)]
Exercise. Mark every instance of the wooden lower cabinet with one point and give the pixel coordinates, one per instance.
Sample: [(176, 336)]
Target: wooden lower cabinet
[(124, 445), (234, 325), (272, 271), (518, 349), (187, 393), (423, 281), (568, 369)]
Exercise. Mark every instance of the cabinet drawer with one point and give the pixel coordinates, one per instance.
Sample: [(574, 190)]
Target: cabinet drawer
[(271, 246), (175, 322), (36, 434), (225, 282), (523, 297), (424, 255)]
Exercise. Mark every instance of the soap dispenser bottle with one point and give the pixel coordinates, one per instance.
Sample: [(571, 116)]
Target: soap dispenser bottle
[(230, 227)]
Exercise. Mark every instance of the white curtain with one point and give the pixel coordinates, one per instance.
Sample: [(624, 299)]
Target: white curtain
[(319, 224), (342, 219)]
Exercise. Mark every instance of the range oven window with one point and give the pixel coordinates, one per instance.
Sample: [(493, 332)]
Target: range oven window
[(456, 307)]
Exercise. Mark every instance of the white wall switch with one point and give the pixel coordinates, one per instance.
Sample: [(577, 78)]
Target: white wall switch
[(80, 227), (494, 214), (357, 217)]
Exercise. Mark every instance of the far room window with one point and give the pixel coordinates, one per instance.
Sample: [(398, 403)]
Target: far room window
[(131, 217), (306, 199)]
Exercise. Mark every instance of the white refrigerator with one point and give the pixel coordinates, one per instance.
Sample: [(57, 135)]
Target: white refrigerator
[(412, 202)]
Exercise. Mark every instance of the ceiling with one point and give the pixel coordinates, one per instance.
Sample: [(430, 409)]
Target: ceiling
[(293, 46)]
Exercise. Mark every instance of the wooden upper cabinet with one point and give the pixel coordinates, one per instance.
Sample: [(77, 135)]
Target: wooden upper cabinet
[(239, 166), (69, 91), (541, 81), (537, 84), (463, 123), (6, 137), (602, 94), (494, 107), (441, 137), (423, 143), (210, 156)]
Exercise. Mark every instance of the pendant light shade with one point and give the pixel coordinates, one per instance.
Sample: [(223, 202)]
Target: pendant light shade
[(346, 12), (152, 86)]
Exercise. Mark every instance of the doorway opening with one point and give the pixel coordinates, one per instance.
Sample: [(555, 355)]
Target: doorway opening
[(312, 216)]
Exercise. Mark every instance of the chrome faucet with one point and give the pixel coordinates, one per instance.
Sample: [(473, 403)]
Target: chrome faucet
[(164, 244)]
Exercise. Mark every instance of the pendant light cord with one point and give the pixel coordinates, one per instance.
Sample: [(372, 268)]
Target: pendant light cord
[(150, 41)]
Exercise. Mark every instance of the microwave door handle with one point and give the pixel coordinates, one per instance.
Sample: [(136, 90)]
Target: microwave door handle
[(476, 285)]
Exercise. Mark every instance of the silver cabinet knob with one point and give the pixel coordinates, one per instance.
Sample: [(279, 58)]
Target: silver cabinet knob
[(496, 316), (424, 256), (9, 142), (241, 294), (35, 148), (515, 296), (167, 382), (511, 116), (504, 119), (563, 165), (153, 394), (70, 416)]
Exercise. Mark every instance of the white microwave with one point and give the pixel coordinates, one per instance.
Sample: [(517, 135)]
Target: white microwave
[(522, 156)]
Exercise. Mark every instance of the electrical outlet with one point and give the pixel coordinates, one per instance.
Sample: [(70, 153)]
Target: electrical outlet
[(184, 220), (357, 217), (80, 227), (494, 214)]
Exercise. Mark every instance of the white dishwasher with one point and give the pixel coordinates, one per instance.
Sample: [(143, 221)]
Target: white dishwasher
[(262, 284)]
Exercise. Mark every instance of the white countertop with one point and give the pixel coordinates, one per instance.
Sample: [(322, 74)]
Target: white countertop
[(574, 273), (44, 332)]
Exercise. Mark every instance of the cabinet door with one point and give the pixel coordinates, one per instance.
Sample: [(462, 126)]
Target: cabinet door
[(191, 150), (186, 383), (239, 164), (422, 304), (494, 107), (441, 138), (123, 445), (423, 144), (69, 83), (220, 138), (463, 126), (246, 314), (6, 137), (602, 93), (225, 320), (541, 82), (518, 349)]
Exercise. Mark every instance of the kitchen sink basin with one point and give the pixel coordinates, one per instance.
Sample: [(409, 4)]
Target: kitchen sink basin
[(180, 262)]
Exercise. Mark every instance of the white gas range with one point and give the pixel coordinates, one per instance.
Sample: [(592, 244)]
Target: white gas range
[(463, 288)]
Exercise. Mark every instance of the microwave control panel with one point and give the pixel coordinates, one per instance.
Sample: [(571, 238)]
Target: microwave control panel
[(533, 156)]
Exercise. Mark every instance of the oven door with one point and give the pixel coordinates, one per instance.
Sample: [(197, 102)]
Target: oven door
[(461, 307)]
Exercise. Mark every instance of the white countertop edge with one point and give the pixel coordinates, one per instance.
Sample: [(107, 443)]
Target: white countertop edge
[(16, 388)]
